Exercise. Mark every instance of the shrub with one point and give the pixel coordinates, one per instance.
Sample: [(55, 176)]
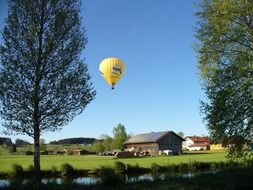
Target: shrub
[(201, 166), (54, 170), (155, 169), (232, 164), (119, 167), (172, 168), (67, 169), (133, 169), (30, 169), (18, 170), (249, 162), (183, 167)]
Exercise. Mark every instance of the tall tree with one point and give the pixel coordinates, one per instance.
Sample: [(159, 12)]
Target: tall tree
[(44, 81), (225, 52), (120, 136)]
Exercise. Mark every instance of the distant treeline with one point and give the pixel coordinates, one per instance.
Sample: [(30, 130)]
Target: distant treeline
[(6, 141), (20, 142), (78, 140)]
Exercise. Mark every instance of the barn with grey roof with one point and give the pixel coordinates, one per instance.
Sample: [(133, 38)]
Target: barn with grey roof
[(155, 142)]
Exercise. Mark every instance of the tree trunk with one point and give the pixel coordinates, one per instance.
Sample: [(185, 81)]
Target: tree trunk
[(36, 159), (36, 116)]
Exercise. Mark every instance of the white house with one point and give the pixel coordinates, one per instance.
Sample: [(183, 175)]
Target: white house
[(195, 143)]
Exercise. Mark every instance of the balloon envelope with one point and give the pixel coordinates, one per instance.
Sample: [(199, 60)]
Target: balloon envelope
[(112, 70)]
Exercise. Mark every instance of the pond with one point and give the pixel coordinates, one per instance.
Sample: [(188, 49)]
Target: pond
[(93, 180)]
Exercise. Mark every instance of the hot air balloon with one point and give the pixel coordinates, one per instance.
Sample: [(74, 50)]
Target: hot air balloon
[(112, 70)]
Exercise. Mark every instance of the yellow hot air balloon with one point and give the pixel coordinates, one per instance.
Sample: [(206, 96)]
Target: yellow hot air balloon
[(112, 70)]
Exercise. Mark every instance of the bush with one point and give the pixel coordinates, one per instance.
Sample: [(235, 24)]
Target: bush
[(249, 162), (119, 167), (18, 170), (54, 170), (155, 169), (172, 168), (67, 169), (133, 169), (183, 167), (201, 166), (30, 169)]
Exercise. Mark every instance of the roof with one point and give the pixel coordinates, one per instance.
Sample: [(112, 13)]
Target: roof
[(199, 139), (150, 137), (80, 150), (199, 145)]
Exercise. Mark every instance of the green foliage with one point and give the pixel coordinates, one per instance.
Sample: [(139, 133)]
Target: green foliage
[(225, 55), (5, 141), (4, 151), (17, 170), (43, 70), (120, 136), (181, 134), (54, 170), (135, 169), (119, 167), (107, 142), (67, 169), (44, 81), (77, 140), (30, 170), (20, 142), (43, 146), (155, 169), (13, 148), (98, 147)]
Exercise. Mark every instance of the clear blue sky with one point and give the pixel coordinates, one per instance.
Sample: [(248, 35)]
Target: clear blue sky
[(161, 87)]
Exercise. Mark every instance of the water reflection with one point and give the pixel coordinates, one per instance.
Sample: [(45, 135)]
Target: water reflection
[(93, 180)]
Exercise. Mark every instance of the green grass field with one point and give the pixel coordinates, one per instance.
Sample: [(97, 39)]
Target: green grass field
[(92, 162)]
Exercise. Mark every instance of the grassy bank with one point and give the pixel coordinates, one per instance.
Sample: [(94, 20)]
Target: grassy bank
[(91, 162)]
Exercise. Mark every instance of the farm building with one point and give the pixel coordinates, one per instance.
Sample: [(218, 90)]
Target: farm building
[(155, 142), (196, 143), (79, 152)]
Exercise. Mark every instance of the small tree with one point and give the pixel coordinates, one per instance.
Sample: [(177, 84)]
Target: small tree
[(98, 147), (120, 136), (107, 142), (44, 82)]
